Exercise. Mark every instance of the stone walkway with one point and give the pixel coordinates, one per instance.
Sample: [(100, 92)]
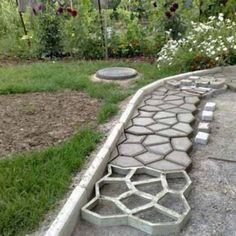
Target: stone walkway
[(146, 186), (158, 134)]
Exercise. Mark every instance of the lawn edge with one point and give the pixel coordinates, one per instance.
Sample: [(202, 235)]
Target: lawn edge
[(65, 221)]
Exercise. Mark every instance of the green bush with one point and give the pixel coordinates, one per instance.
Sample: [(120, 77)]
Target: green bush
[(82, 34), (205, 45), (49, 34)]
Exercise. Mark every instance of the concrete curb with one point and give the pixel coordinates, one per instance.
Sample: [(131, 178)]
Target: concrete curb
[(66, 220)]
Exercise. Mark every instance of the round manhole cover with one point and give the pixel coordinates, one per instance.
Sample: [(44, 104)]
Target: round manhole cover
[(116, 73)]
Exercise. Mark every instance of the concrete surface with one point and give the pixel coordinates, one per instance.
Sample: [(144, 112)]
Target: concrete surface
[(213, 198)]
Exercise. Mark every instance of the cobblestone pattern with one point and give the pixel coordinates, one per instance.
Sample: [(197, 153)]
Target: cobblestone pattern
[(158, 134), (132, 196), (151, 154)]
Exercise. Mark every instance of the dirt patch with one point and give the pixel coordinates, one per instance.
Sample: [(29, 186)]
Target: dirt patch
[(35, 120)]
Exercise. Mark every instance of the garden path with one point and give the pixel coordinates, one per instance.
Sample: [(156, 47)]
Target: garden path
[(159, 137)]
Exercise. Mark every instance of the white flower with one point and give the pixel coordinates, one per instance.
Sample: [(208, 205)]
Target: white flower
[(230, 39), (221, 17)]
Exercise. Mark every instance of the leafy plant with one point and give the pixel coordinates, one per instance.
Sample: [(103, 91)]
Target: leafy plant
[(173, 22), (211, 43), (49, 33)]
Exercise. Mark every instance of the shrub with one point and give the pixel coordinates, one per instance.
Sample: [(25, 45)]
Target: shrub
[(82, 34), (211, 43), (49, 34)]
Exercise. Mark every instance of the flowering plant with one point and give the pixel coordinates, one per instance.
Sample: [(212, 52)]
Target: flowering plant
[(215, 40), (173, 22)]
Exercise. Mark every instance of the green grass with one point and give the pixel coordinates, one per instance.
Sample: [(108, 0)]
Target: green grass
[(32, 184), (74, 75)]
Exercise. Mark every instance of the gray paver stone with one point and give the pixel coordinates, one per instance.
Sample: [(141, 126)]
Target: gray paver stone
[(181, 158), (178, 110), (192, 100), (146, 114), (163, 115), (176, 102), (172, 98), (149, 157), (181, 144), (168, 121), (186, 118), (131, 149), (165, 165), (155, 139), (162, 149), (189, 107), (173, 83), (183, 127), (143, 121), (124, 161), (149, 108), (138, 130), (134, 138), (217, 84), (171, 133), (154, 102), (167, 106), (158, 127)]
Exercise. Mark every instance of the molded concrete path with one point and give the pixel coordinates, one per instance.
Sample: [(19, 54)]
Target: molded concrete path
[(158, 137)]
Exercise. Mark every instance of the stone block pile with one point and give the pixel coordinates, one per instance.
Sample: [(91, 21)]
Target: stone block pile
[(207, 116), (204, 85)]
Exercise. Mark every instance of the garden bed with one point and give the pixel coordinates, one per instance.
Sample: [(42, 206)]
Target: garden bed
[(36, 120)]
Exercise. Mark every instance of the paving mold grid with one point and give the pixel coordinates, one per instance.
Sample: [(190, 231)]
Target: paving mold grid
[(146, 190), (152, 136)]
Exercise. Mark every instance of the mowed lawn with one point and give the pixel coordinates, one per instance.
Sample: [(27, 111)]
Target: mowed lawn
[(32, 184)]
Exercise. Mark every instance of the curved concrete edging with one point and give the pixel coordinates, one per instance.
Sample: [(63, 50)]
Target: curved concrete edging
[(66, 220)]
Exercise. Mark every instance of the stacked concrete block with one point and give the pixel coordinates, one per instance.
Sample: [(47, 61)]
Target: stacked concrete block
[(210, 106), (207, 115), (204, 127), (202, 136), (203, 86)]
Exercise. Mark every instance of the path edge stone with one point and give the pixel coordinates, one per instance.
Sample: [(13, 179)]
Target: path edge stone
[(68, 216)]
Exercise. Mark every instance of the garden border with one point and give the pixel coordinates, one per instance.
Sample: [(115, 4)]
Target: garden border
[(68, 216)]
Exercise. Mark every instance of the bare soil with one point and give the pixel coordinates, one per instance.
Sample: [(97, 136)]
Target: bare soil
[(35, 120)]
